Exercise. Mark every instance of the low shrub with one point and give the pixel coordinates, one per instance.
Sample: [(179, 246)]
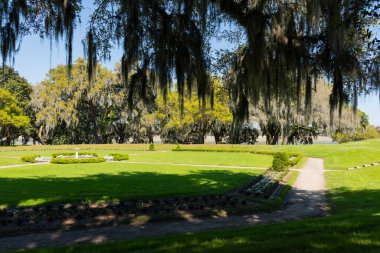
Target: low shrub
[(296, 159), (280, 161), (177, 148), (29, 158), (151, 147), (73, 154), (74, 161), (120, 157)]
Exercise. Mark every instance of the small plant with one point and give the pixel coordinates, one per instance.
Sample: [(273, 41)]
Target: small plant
[(29, 158), (119, 157), (73, 160), (151, 147), (280, 162), (177, 148)]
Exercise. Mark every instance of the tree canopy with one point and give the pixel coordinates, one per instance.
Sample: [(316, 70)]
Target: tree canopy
[(289, 44)]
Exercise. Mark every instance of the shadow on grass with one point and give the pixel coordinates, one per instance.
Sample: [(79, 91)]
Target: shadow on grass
[(43, 190)]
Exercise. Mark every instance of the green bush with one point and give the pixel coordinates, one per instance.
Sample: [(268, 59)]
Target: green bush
[(297, 158), (120, 157), (74, 161), (280, 161), (177, 148), (151, 147), (73, 154), (29, 158)]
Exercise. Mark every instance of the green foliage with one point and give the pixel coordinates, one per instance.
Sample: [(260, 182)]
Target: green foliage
[(73, 154), (280, 161), (151, 147), (295, 158), (369, 132), (119, 157), (12, 119), (177, 148), (29, 158), (75, 161)]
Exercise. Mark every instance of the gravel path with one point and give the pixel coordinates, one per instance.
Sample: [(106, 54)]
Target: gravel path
[(306, 199)]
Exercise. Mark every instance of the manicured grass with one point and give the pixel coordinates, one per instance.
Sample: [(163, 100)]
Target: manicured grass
[(47, 183), (354, 226), (336, 156), (9, 160), (207, 158)]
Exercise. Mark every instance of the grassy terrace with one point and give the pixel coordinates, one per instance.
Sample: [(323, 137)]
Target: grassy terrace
[(354, 224), (51, 183)]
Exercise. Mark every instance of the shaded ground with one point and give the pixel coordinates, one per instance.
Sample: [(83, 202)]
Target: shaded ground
[(306, 199)]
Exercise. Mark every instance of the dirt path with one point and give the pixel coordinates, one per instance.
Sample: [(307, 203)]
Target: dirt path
[(307, 199)]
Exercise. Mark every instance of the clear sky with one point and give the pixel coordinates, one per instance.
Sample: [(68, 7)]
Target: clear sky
[(33, 62)]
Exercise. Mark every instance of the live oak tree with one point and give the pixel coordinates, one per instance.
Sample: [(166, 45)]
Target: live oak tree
[(81, 112), (289, 44)]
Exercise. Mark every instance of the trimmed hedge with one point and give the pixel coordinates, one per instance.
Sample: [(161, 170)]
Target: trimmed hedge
[(259, 152), (29, 158), (151, 147), (296, 156), (120, 157), (280, 161), (73, 154), (74, 161)]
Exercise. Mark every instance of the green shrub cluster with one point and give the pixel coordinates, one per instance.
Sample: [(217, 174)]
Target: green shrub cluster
[(29, 158), (151, 147), (280, 161), (361, 134), (120, 157), (73, 160), (73, 154)]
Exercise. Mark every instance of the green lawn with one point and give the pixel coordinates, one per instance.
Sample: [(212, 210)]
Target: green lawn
[(354, 226), (32, 185), (336, 156), (9, 160), (229, 159)]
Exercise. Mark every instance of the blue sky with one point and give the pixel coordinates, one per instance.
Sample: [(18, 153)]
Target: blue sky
[(33, 62)]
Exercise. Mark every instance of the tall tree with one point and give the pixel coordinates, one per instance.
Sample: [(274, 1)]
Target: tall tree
[(289, 43), (84, 110), (12, 119)]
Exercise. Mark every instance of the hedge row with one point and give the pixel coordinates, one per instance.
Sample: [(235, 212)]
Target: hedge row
[(73, 154), (120, 157), (74, 161), (259, 152), (29, 158), (296, 156)]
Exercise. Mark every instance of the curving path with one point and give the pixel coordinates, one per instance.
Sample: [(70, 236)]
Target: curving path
[(306, 199)]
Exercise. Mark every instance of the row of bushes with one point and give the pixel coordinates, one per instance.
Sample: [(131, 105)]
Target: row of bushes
[(73, 154), (120, 157), (258, 152), (74, 161), (279, 158)]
